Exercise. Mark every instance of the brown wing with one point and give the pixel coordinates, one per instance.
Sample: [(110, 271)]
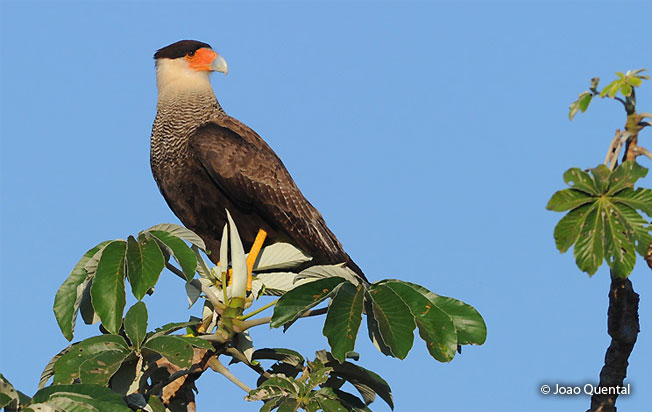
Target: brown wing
[(253, 177)]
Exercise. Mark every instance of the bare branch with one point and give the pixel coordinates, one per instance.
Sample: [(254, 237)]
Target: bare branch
[(648, 115), (644, 124), (614, 148)]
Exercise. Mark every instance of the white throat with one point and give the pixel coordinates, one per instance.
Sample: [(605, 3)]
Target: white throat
[(174, 77)]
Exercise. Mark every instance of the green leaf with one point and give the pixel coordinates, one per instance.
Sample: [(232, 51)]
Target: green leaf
[(395, 321), (331, 405), (179, 250), (600, 177), (173, 348), (136, 324), (198, 343), (93, 360), (624, 176), (638, 227), (274, 387), (48, 371), (606, 224), (92, 397), (626, 89), (589, 249), (343, 319), (568, 229), (436, 327), (640, 198), (156, 404), (108, 290), (300, 299), (619, 251), (365, 381), (578, 179), (634, 81), (585, 100), (279, 354), (145, 262), (180, 232), (99, 368), (567, 199), (470, 326), (69, 295)]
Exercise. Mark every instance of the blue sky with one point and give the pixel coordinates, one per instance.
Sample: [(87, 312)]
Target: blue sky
[(429, 134)]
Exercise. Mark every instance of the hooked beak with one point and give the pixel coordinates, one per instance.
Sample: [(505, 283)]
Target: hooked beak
[(219, 65)]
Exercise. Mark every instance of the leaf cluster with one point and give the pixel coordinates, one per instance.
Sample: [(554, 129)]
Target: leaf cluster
[(393, 309), (603, 220), (625, 84), (293, 383), (139, 364)]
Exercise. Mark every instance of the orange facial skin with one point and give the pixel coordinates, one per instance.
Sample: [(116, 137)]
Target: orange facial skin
[(201, 60)]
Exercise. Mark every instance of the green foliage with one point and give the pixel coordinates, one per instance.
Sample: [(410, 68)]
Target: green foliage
[(127, 358), (318, 386), (625, 84), (603, 221), (104, 267), (82, 398), (393, 309), (136, 324)]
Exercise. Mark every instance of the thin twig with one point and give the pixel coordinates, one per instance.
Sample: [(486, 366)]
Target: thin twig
[(641, 151), (217, 366), (242, 326)]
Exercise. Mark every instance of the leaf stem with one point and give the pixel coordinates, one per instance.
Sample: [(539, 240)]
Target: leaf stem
[(175, 270), (257, 311), (242, 326)]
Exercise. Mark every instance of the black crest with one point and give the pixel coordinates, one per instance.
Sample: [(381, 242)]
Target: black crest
[(180, 49)]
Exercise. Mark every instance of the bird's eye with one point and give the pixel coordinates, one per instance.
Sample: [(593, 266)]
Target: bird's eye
[(191, 54)]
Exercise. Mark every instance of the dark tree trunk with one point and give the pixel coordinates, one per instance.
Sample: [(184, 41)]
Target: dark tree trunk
[(623, 327)]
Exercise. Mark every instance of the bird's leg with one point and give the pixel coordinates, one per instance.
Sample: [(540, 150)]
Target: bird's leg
[(253, 255)]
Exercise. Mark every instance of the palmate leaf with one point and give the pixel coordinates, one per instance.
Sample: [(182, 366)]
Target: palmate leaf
[(603, 221), (69, 295), (176, 247)]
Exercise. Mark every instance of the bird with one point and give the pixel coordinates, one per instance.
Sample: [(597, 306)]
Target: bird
[(206, 162)]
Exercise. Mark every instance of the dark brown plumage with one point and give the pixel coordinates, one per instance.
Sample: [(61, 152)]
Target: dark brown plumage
[(205, 161)]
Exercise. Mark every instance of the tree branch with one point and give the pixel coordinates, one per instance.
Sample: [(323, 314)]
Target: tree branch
[(623, 327), (217, 366)]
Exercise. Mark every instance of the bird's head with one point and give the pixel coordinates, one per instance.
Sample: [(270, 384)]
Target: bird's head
[(187, 64)]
